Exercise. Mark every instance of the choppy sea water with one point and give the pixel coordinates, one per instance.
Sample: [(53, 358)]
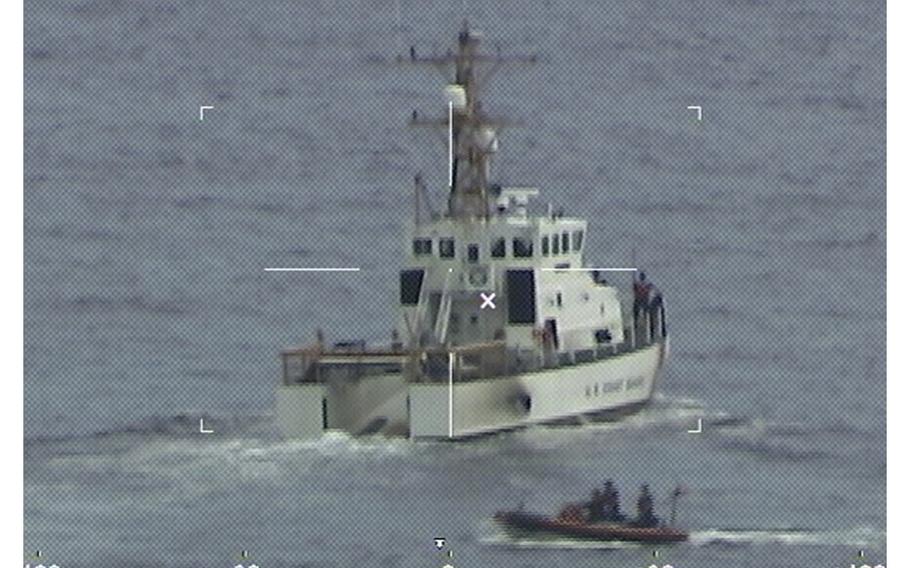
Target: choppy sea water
[(146, 305)]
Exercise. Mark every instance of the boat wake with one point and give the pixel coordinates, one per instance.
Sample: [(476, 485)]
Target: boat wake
[(560, 543), (858, 537)]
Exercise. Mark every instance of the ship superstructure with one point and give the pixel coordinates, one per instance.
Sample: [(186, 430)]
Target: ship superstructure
[(500, 324)]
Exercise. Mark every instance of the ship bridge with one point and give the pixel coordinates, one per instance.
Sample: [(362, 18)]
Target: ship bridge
[(532, 263)]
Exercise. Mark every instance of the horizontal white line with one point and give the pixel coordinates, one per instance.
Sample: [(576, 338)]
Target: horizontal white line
[(590, 269), (311, 269)]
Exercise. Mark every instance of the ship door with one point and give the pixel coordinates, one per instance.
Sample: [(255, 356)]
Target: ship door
[(549, 327)]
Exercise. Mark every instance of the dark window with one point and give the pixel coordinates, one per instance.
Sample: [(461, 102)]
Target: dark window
[(473, 253), (554, 243), (446, 248), (498, 248), (559, 299), (577, 237), (522, 248), (423, 246), (411, 281), (565, 243), (521, 296), (545, 245)]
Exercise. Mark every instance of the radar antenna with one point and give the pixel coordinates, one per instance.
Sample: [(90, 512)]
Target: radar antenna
[(473, 131)]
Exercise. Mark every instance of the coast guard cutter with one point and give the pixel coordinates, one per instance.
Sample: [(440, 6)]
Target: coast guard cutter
[(502, 324)]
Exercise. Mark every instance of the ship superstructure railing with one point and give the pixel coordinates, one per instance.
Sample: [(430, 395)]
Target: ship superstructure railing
[(355, 361)]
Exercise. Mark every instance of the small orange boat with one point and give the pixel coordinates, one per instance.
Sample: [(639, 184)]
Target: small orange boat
[(533, 523), (603, 520)]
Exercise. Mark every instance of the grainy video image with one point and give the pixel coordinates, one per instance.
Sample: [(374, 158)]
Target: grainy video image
[(419, 283)]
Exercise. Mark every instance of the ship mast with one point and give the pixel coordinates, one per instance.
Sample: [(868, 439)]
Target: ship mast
[(473, 133)]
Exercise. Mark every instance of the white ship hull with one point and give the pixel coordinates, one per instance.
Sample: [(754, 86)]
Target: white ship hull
[(391, 406)]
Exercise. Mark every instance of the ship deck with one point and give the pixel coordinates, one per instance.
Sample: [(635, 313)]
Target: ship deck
[(460, 363)]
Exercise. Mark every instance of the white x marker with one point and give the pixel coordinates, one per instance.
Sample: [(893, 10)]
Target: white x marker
[(488, 300)]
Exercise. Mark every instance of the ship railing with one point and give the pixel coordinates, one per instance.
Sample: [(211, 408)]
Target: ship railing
[(317, 364), (510, 362), (354, 361), (462, 362), (647, 327), (486, 361), (465, 363)]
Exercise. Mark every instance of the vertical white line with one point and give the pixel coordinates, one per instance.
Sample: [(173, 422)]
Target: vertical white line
[(451, 395), (451, 145)]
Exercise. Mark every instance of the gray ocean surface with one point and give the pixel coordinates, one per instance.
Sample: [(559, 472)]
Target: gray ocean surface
[(147, 307)]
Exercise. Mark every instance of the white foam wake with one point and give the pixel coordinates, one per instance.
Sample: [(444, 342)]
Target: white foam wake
[(859, 537)]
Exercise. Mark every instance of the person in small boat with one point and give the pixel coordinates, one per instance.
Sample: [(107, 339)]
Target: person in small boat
[(611, 511), (646, 517), (595, 507), (572, 513)]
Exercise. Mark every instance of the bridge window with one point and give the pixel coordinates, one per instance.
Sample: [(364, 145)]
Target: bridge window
[(473, 253), (554, 243), (498, 248), (423, 247), (446, 248), (522, 248), (577, 238), (545, 245), (565, 243)]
